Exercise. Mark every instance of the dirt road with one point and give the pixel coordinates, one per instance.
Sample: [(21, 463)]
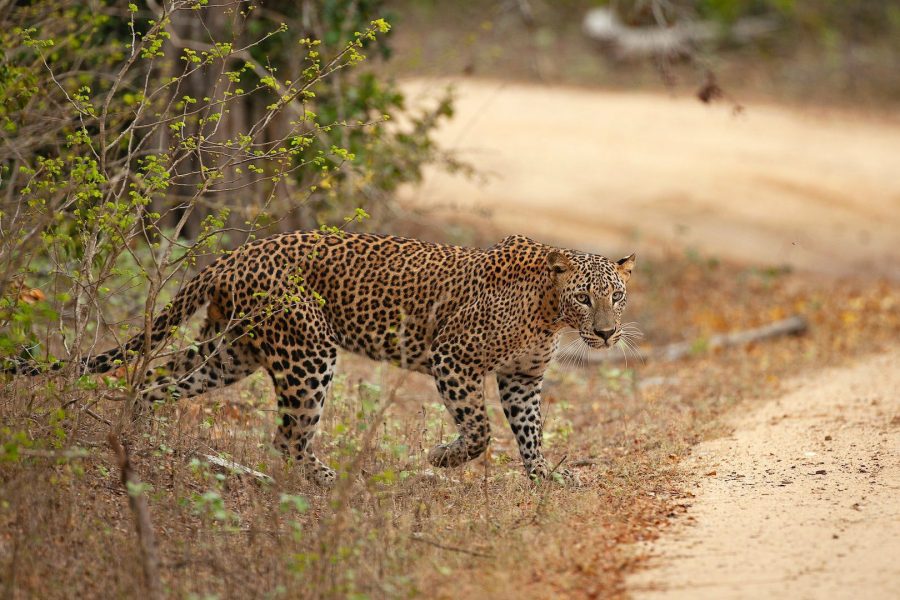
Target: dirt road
[(802, 501), (613, 172)]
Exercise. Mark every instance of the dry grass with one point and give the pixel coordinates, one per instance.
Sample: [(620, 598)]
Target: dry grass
[(394, 527)]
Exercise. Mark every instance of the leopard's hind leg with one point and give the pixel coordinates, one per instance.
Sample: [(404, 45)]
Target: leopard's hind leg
[(221, 357), (299, 354)]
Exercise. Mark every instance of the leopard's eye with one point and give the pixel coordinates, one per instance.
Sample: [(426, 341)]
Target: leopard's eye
[(583, 299), (617, 296)]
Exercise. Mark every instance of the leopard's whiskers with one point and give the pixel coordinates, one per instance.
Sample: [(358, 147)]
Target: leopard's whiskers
[(629, 342)]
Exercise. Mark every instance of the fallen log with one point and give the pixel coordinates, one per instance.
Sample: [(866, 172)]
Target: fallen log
[(679, 39), (794, 325)]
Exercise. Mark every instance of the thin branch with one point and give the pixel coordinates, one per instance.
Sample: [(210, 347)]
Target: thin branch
[(419, 538), (143, 525)]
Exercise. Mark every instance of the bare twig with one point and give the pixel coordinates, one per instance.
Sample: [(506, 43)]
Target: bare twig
[(558, 465), (419, 538), (545, 491), (138, 502), (98, 417)]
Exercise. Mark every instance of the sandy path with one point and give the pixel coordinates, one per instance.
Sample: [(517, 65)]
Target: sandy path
[(804, 502), (788, 513), (612, 172)]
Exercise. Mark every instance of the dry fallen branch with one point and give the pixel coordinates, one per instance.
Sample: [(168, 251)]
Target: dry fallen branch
[(68, 454), (237, 468), (678, 39), (138, 502), (795, 325)]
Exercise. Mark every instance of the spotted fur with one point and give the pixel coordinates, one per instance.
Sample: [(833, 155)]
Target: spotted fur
[(288, 303)]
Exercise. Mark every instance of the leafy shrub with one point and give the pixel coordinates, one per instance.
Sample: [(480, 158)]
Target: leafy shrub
[(141, 141)]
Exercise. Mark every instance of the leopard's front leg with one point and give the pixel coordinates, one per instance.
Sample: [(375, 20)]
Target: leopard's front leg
[(462, 390), (520, 396)]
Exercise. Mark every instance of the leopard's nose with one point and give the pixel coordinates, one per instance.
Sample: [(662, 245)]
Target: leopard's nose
[(605, 334)]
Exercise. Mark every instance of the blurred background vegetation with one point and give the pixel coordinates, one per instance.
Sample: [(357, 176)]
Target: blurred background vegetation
[(828, 51), (54, 52)]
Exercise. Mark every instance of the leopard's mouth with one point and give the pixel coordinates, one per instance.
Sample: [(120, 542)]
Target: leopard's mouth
[(599, 344)]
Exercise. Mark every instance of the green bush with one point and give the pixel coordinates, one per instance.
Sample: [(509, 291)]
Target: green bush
[(138, 141)]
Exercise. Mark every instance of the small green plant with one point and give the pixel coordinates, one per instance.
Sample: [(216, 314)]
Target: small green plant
[(559, 424), (210, 506)]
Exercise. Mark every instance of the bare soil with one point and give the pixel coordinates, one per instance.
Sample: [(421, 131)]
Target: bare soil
[(801, 501), (613, 172)]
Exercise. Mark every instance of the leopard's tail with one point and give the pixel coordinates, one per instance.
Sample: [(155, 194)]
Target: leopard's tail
[(186, 302)]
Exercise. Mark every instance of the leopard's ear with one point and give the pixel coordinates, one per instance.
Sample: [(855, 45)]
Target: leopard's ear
[(558, 263), (624, 266)]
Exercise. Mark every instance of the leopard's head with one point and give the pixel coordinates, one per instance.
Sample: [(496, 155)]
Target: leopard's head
[(592, 294)]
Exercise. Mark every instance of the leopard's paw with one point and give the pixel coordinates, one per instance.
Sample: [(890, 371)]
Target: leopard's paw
[(324, 476), (447, 455), (541, 471)]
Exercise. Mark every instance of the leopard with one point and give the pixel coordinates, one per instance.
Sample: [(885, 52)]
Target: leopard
[(288, 303)]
